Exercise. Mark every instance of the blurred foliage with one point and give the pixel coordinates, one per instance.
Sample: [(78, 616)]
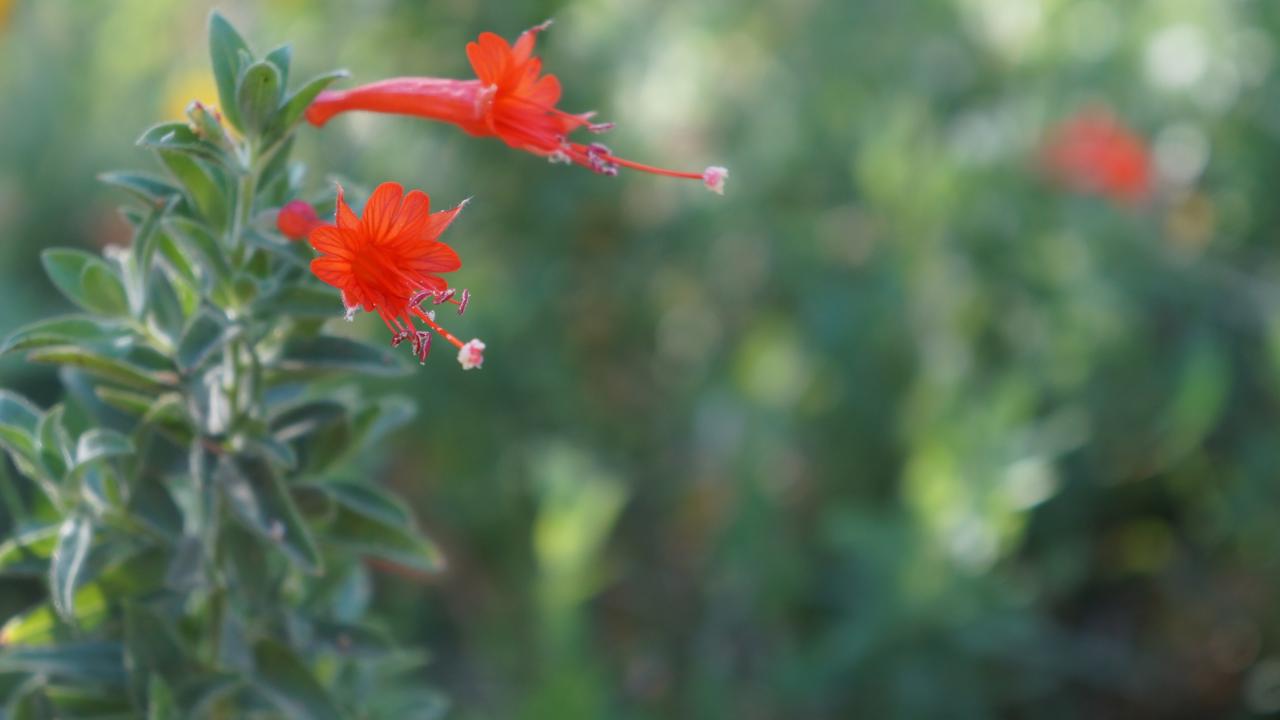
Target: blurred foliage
[(895, 429)]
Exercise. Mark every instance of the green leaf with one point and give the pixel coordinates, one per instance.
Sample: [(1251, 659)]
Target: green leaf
[(54, 442), (38, 624), (180, 138), (331, 352), (225, 46), (205, 336), (29, 702), (19, 427), (295, 106), (152, 190), (18, 412), (281, 58), (374, 421), (64, 330), (104, 291), (198, 240), (302, 301), (115, 369), (74, 538), (259, 95), (88, 662), (84, 279), (371, 522), (99, 443), (260, 501), (283, 678), (166, 413), (201, 185), (152, 644), (26, 554), (161, 704)]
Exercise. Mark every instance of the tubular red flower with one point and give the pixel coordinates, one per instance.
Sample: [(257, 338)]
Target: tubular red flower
[(511, 99), (389, 262), (1094, 152)]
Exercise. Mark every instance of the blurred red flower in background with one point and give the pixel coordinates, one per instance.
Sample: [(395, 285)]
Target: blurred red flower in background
[(1094, 152), (389, 262), (510, 99), (296, 219)]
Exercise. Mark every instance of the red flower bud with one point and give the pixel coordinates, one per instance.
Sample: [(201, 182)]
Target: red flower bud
[(296, 219)]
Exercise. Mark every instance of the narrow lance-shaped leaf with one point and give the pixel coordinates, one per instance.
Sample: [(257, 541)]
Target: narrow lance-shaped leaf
[(260, 501), (225, 46), (259, 95), (74, 539), (283, 678), (85, 279), (295, 106)]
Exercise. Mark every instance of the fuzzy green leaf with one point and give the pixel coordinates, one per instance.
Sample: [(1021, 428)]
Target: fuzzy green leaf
[(371, 522), (180, 138), (295, 106), (225, 48), (120, 371), (85, 279), (287, 681), (259, 499), (103, 290), (64, 330), (331, 352), (89, 662), (281, 57), (99, 443), (68, 563), (200, 184), (151, 190), (26, 554), (259, 95), (205, 336)]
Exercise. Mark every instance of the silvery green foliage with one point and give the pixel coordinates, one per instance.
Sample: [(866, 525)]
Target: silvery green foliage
[(189, 523)]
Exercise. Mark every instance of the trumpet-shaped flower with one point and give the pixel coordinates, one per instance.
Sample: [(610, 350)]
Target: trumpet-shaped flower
[(510, 99), (389, 261)]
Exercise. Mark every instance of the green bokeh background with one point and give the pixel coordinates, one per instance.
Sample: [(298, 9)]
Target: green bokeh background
[(893, 430)]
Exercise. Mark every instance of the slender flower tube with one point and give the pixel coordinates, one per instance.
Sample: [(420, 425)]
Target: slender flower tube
[(389, 262), (510, 99)]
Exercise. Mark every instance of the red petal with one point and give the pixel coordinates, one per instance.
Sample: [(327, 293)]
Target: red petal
[(524, 45), (489, 56), (347, 220), (546, 91), (437, 222), (334, 271), (413, 216), (381, 211), (435, 258), (332, 240)]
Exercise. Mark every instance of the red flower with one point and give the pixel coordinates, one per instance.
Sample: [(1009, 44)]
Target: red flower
[(1093, 152), (296, 219), (388, 262), (511, 100)]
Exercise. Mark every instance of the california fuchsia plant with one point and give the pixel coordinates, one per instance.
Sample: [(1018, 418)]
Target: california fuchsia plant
[(190, 531)]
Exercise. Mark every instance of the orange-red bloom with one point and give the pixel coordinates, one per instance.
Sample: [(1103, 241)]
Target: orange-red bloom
[(1093, 152), (389, 262), (510, 99)]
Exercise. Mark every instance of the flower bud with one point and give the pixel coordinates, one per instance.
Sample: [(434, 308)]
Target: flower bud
[(296, 219)]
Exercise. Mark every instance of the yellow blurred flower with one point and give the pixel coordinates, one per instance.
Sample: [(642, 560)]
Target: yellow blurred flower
[(184, 87)]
